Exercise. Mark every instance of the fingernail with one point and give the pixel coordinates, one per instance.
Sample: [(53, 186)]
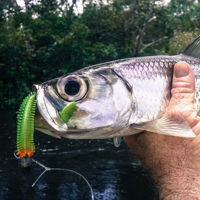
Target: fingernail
[(181, 70)]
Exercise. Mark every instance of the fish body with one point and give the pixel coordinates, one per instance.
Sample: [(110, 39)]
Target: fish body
[(116, 98)]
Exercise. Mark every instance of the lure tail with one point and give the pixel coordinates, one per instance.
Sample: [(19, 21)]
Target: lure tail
[(25, 126), (68, 111)]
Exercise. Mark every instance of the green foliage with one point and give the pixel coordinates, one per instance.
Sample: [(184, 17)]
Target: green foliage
[(180, 41), (48, 38)]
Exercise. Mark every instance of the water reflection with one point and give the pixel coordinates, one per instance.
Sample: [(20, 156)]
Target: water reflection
[(113, 173)]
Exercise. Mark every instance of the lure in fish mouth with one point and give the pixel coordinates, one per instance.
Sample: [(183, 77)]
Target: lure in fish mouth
[(104, 104), (117, 98)]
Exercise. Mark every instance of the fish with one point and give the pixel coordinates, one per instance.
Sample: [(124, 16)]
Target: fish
[(115, 99)]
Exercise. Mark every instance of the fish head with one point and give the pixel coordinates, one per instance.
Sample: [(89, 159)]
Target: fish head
[(103, 104)]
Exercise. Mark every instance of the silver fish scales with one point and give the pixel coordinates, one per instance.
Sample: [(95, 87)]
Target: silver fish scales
[(150, 78)]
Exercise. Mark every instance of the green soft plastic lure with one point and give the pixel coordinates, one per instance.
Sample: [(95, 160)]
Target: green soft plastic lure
[(67, 111), (25, 126)]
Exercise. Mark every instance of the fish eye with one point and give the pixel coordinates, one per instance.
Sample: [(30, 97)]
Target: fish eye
[(72, 88)]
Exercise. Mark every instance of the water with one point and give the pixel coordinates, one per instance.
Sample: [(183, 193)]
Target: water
[(113, 172)]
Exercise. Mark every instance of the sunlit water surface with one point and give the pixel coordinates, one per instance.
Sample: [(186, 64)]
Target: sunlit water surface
[(113, 172)]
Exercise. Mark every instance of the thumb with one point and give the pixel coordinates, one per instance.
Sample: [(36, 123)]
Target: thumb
[(181, 104), (183, 87)]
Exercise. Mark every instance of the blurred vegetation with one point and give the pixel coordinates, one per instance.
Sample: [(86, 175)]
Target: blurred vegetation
[(180, 40), (48, 38)]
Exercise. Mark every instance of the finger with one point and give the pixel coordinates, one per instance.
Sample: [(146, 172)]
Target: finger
[(183, 86), (183, 79), (183, 90)]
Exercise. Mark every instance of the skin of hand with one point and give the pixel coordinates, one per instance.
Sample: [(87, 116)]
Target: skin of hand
[(174, 162)]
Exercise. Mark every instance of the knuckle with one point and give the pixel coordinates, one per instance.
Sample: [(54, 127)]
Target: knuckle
[(182, 84), (181, 91)]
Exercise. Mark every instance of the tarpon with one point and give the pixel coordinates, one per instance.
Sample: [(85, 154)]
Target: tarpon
[(117, 98)]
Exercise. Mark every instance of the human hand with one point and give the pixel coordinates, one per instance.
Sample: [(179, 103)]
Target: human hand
[(173, 162)]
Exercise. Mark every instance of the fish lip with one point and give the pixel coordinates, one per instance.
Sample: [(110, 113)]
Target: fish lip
[(95, 133), (45, 107)]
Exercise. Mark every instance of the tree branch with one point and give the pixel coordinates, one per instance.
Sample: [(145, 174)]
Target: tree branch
[(152, 43), (141, 32)]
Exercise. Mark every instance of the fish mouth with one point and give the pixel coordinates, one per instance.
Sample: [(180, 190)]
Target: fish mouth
[(42, 126), (47, 117), (48, 121), (72, 133)]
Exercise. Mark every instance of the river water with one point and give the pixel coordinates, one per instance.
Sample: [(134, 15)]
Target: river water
[(113, 172)]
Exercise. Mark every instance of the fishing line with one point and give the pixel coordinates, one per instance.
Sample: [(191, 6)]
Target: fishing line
[(46, 169)]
